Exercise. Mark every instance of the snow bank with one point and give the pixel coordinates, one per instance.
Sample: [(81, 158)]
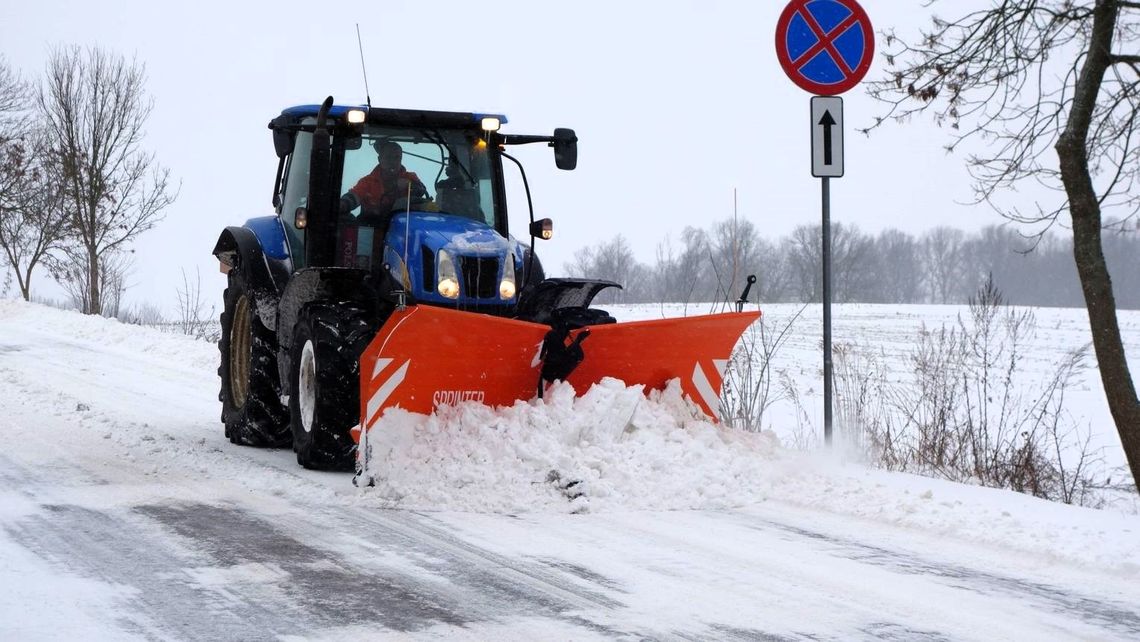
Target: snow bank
[(112, 335)]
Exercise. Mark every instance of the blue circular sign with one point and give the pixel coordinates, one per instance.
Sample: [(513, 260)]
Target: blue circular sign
[(825, 46)]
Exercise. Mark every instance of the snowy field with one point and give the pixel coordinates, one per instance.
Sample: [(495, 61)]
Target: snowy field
[(881, 338), (125, 513)]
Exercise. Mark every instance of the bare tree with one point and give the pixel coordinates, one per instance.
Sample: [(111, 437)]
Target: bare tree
[(737, 251), (898, 273), (29, 197), (95, 107), (32, 218), (852, 266), (945, 265), (805, 262), (682, 276), (852, 254), (613, 261), (193, 318), (13, 103), (1027, 76), (71, 273)]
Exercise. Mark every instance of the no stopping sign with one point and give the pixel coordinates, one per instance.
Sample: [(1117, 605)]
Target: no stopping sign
[(825, 46)]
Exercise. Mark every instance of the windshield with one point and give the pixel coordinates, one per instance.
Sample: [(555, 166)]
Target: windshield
[(440, 170)]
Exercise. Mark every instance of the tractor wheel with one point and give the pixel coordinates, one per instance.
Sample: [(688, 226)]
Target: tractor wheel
[(324, 403), (251, 408)]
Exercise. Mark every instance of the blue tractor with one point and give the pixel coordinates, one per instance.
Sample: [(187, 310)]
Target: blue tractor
[(340, 253)]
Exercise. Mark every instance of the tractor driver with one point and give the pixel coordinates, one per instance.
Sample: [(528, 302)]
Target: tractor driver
[(386, 187)]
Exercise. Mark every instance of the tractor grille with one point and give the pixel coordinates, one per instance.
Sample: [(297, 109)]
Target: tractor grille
[(480, 276), (429, 268)]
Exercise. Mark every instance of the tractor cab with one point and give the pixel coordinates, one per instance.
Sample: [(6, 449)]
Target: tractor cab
[(413, 197)]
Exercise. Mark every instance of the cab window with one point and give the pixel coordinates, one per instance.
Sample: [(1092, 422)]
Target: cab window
[(448, 171), (296, 195)]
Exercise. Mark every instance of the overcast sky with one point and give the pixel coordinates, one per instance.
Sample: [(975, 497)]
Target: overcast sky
[(676, 104)]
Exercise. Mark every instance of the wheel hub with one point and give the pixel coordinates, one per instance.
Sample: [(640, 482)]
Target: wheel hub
[(240, 352), (307, 386)]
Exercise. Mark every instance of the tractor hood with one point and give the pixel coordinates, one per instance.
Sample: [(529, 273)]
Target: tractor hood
[(478, 255), (465, 236)]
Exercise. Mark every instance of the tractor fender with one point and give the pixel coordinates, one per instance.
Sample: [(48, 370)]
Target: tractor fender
[(541, 302), (332, 284), (238, 248)]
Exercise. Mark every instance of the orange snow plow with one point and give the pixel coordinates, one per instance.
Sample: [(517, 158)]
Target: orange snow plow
[(425, 357)]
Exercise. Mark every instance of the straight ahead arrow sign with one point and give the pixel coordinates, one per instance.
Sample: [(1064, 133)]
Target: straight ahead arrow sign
[(827, 136), (828, 122)]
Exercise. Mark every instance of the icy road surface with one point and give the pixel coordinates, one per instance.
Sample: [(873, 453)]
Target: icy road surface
[(125, 514)]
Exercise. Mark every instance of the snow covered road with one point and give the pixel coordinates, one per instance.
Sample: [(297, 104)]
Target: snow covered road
[(125, 514)]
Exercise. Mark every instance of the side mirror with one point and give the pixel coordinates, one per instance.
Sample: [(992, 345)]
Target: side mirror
[(565, 146), (543, 229), (353, 142), (283, 142)]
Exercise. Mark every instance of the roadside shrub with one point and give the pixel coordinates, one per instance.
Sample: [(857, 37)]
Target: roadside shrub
[(968, 408), (750, 386), (972, 413)]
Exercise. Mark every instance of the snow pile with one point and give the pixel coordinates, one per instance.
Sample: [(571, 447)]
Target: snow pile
[(612, 448), (616, 450)]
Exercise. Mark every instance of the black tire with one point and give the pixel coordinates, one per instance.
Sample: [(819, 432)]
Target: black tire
[(251, 406), (324, 399)]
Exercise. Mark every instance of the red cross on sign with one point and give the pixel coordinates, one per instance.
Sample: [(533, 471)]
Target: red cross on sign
[(825, 46)]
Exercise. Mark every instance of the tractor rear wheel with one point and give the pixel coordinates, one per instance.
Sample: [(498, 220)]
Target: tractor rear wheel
[(324, 403), (251, 408)]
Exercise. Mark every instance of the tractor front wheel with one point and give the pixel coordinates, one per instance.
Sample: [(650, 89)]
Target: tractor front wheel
[(325, 400)]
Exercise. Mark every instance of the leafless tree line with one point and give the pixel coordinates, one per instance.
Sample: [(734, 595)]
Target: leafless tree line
[(76, 185), (942, 266)]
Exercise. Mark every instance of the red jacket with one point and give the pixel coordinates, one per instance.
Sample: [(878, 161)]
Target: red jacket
[(376, 193)]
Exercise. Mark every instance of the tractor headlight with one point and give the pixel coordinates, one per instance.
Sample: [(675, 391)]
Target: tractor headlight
[(447, 279), (507, 285), (356, 116)]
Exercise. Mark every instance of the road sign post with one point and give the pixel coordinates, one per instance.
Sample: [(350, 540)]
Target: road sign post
[(825, 48)]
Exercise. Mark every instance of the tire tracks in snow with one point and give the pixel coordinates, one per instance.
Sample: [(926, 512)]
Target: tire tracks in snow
[(188, 554), (1105, 614)]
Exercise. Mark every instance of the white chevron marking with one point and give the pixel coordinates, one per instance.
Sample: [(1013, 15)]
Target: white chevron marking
[(380, 365), (705, 390), (384, 391)]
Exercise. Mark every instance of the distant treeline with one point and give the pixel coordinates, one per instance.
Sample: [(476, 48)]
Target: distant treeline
[(943, 265)]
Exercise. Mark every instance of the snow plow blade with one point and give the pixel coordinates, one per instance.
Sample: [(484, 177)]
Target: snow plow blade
[(425, 357), (692, 349)]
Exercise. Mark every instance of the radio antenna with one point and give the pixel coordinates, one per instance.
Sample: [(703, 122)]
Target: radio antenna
[(360, 45)]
